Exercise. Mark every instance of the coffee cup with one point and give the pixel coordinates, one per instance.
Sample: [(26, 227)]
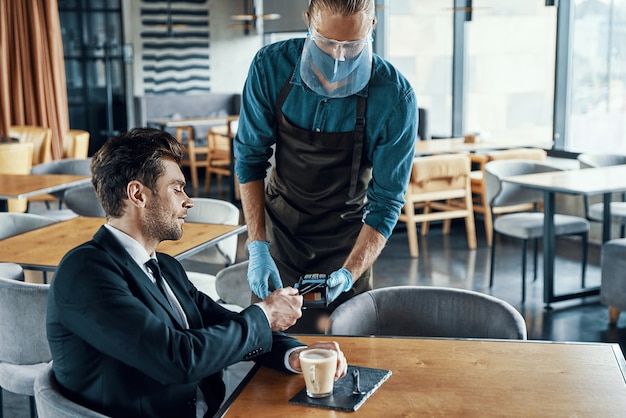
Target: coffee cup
[(318, 367)]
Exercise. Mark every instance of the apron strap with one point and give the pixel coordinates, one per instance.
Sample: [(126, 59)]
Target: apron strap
[(359, 136)]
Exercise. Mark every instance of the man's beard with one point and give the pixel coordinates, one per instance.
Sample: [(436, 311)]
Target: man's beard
[(157, 223)]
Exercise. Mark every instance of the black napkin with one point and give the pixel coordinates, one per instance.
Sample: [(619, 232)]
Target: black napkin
[(342, 398)]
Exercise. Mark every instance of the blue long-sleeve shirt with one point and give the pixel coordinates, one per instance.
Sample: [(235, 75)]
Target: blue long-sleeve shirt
[(390, 125)]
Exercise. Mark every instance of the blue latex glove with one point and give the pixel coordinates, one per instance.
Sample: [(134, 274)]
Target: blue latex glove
[(262, 268), (339, 281)]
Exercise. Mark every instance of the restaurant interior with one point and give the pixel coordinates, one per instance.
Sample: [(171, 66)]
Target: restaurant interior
[(510, 85)]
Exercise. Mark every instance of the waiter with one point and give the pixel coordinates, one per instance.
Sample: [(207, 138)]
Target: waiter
[(343, 122)]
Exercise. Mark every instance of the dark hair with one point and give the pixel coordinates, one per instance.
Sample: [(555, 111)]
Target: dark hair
[(133, 155)]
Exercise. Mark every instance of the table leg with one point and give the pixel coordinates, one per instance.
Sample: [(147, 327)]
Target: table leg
[(606, 218), (549, 243)]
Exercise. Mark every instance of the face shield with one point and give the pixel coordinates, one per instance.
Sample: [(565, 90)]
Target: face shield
[(336, 68)]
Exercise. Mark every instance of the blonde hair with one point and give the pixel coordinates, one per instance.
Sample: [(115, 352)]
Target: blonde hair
[(343, 7)]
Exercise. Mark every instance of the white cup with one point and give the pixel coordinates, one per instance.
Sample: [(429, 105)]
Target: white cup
[(318, 367)]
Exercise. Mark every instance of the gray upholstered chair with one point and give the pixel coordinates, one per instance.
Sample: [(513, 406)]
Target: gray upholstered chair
[(13, 223), (613, 280), (595, 211), (51, 403), (425, 311), (24, 350), (79, 166), (215, 211), (11, 271), (83, 201), (525, 226), (231, 284)]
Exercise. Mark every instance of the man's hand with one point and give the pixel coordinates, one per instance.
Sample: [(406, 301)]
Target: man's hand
[(338, 282), (261, 269), (283, 308), (342, 363)]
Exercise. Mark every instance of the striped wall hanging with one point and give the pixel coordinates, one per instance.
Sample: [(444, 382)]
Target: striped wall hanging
[(175, 46)]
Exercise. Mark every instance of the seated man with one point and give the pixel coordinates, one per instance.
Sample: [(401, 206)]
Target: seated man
[(134, 338)]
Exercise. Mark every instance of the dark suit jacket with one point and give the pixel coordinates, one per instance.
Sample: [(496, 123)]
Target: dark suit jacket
[(116, 344)]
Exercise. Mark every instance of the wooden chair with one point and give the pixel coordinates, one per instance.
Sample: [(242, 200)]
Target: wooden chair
[(16, 158), (439, 189), (76, 144), (39, 136), (214, 155), (477, 182)]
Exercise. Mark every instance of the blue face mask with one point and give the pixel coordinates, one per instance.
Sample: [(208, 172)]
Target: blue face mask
[(335, 78)]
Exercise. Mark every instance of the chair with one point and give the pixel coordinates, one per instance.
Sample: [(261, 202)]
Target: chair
[(40, 137), (213, 154), (439, 188), (76, 144), (52, 403), (24, 350), (16, 159), (613, 285), (83, 201), (425, 311), (595, 212), (16, 223), (12, 271), (525, 225), (231, 284), (79, 166), (477, 181)]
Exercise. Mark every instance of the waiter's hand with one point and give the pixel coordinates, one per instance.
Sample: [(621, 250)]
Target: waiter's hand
[(261, 269), (339, 281)]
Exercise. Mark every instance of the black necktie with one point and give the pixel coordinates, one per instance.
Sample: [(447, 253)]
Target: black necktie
[(153, 265)]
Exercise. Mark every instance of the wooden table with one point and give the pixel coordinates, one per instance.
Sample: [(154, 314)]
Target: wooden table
[(43, 248), (163, 123), (19, 186), (588, 181), (453, 145), (460, 378)]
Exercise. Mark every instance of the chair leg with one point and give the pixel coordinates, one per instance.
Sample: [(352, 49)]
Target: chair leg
[(492, 262), (524, 247), (584, 244), (535, 258), (33, 407), (613, 315)]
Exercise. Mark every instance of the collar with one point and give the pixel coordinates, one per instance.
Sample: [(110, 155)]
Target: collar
[(132, 247)]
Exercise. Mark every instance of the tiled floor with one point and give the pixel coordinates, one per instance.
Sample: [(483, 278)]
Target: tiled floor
[(446, 261)]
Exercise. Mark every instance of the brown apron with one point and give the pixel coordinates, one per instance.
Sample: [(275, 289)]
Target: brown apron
[(314, 203)]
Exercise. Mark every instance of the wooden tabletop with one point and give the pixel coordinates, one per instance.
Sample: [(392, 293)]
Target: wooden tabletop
[(17, 186), (452, 145), (44, 248), (461, 378)]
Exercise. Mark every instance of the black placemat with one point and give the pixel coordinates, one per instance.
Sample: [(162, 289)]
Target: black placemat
[(342, 398)]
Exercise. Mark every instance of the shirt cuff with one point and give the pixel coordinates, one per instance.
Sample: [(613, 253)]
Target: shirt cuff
[(266, 315)]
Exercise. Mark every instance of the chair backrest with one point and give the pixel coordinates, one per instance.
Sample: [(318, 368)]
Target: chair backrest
[(215, 211), (436, 173), (231, 284), (83, 201), (16, 223), (16, 158), (500, 193), (23, 322), (12, 271), (590, 160), (51, 403), (535, 154), (76, 144), (78, 166), (40, 137), (424, 311)]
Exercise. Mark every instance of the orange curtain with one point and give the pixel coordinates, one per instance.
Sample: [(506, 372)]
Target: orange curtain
[(32, 70)]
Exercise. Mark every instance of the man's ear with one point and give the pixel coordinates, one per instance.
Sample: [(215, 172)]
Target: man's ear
[(136, 193)]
